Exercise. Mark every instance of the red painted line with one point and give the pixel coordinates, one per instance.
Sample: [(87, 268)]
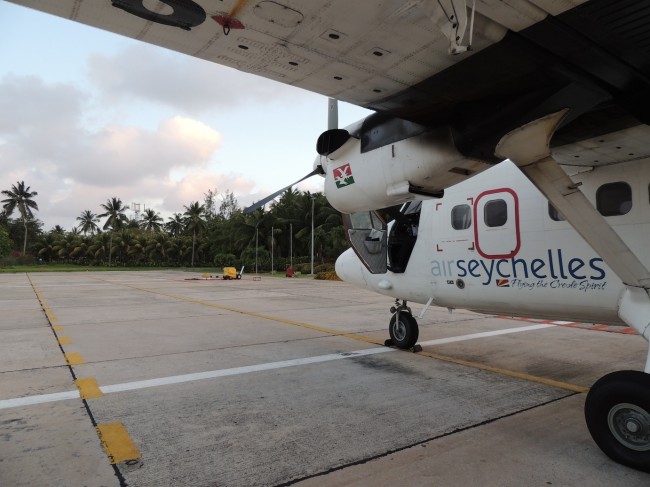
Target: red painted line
[(583, 326)]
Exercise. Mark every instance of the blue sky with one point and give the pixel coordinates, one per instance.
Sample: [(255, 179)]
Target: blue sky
[(86, 115)]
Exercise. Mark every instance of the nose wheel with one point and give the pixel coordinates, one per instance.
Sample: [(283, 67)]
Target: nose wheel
[(403, 328), (617, 411)]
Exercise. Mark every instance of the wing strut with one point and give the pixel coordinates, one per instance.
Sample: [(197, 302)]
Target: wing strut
[(528, 148)]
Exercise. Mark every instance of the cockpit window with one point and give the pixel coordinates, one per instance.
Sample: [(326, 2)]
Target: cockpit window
[(365, 219)]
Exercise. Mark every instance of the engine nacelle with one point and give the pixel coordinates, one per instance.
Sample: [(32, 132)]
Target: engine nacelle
[(414, 168)]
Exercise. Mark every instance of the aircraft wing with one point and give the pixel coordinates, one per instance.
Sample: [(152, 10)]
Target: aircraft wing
[(481, 68)]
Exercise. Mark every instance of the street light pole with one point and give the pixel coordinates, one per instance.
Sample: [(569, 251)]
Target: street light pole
[(256, 234), (272, 268), (312, 235), (291, 245)]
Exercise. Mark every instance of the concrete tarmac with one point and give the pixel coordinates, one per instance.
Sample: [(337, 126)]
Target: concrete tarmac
[(150, 379)]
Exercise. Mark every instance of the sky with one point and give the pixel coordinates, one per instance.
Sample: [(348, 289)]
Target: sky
[(87, 115)]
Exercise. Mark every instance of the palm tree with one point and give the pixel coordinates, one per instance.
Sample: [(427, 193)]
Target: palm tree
[(175, 225), (88, 222), (20, 197), (194, 221), (116, 219), (151, 221), (158, 246), (45, 247), (69, 246), (97, 248)]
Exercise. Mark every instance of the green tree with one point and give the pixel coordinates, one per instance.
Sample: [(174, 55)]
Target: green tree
[(115, 212), (194, 222), (210, 205), (20, 197), (151, 221), (69, 246), (45, 247), (88, 222), (100, 246), (176, 225), (5, 242), (228, 205)]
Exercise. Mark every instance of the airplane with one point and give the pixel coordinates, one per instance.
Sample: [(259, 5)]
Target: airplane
[(558, 89)]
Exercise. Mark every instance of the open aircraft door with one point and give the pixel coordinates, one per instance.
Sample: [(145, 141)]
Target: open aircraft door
[(496, 229), (366, 232)]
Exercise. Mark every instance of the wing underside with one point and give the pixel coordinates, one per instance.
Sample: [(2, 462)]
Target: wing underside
[(526, 58)]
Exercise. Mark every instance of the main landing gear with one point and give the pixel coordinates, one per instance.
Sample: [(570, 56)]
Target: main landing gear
[(403, 327), (617, 411)]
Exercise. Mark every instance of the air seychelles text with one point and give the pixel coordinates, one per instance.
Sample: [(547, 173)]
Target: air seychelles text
[(554, 265)]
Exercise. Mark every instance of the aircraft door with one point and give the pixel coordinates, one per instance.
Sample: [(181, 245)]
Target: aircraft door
[(366, 232), (496, 228)]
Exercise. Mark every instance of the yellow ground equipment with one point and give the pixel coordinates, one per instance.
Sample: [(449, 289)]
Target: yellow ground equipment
[(231, 273)]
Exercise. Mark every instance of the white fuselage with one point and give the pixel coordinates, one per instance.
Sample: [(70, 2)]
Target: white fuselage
[(530, 266)]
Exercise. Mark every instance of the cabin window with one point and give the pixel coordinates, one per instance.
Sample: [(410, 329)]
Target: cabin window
[(495, 213), (555, 215), (614, 199), (461, 217)]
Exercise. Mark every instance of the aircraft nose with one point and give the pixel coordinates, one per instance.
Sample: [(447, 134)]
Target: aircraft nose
[(349, 268)]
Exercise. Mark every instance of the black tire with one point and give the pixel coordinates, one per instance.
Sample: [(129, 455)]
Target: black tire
[(617, 411), (403, 333), (238, 276)]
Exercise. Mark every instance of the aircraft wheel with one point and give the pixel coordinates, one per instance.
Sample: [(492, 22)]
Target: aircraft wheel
[(404, 331), (617, 411)]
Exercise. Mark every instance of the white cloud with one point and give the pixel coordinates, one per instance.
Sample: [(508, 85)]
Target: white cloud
[(120, 153), (74, 168)]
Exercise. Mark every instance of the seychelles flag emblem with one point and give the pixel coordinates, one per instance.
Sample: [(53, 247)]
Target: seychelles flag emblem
[(503, 283), (343, 176)]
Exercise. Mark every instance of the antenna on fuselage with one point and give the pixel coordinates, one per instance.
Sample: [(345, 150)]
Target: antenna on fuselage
[(332, 113)]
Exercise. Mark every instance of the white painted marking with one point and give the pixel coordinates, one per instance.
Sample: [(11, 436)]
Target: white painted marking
[(212, 374), (563, 322), (40, 399), (485, 334), (177, 379), (43, 286)]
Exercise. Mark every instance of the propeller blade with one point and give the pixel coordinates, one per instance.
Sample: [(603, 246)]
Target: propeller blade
[(332, 125), (262, 202)]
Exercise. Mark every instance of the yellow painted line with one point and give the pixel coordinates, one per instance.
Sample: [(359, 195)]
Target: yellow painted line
[(64, 340), (88, 388), (57, 328), (53, 319), (321, 329), (117, 443), (73, 358), (444, 358), (509, 373)]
